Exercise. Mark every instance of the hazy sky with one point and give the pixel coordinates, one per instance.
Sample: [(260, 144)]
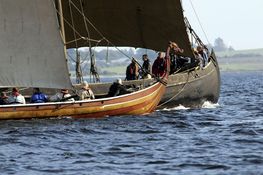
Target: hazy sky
[(238, 22)]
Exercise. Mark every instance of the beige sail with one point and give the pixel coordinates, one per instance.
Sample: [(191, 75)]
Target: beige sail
[(31, 49), (137, 23)]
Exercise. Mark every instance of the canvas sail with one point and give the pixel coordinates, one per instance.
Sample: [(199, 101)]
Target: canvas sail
[(31, 49), (136, 23)]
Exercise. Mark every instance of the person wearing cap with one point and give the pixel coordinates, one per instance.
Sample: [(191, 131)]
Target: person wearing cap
[(38, 97), (4, 99), (63, 95), (16, 97), (117, 88), (146, 66), (86, 93)]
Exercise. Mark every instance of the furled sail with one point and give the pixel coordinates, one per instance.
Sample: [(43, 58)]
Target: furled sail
[(31, 48), (137, 23)]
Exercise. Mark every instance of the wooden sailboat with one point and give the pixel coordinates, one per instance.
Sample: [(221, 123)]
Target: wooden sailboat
[(32, 55), (145, 24)]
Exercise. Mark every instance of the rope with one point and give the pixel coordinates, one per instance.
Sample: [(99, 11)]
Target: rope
[(73, 25), (77, 33), (199, 21), (176, 93)]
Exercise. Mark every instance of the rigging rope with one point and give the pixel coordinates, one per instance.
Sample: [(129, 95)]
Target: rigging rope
[(199, 21), (176, 93)]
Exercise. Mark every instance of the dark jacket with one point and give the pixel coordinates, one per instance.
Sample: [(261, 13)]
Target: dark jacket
[(4, 101), (132, 72), (146, 66), (159, 67), (117, 89)]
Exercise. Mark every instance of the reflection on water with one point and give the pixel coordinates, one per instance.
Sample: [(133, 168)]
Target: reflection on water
[(223, 138)]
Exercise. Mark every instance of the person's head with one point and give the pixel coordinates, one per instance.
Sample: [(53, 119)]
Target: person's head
[(145, 57), (3, 95), (36, 90), (119, 81), (85, 85), (15, 91), (199, 48), (64, 91), (173, 45), (133, 61), (161, 54)]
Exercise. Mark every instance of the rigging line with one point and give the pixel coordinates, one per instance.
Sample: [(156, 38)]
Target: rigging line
[(68, 23), (83, 38), (73, 25), (199, 21), (87, 19), (92, 60), (71, 58), (98, 30), (79, 35), (176, 93)]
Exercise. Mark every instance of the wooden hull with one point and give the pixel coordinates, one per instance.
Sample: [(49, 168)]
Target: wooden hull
[(191, 88), (137, 103)]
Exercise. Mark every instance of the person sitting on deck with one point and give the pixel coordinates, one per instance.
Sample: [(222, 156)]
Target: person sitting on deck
[(146, 67), (86, 93), (132, 71), (38, 97), (16, 97), (4, 99), (159, 65), (63, 95), (117, 88)]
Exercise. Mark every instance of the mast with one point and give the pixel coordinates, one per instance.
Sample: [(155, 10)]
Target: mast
[(62, 28), (79, 77)]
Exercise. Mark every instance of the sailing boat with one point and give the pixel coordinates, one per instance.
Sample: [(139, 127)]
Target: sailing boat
[(33, 55), (144, 24)]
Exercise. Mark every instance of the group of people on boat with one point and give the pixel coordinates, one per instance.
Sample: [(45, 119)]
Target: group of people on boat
[(178, 63), (85, 93)]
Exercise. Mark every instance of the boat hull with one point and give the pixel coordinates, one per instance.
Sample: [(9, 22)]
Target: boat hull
[(137, 103), (193, 87), (190, 88)]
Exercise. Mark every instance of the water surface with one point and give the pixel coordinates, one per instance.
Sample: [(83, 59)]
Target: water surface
[(223, 138)]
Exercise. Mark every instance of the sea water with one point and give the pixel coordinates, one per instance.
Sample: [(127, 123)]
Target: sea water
[(223, 138)]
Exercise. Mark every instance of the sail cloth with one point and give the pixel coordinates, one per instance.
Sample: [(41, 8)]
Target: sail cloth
[(31, 49), (136, 23)]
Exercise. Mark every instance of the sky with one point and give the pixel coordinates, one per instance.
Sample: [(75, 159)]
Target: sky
[(238, 22)]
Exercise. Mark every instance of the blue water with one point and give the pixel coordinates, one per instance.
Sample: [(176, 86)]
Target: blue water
[(223, 138)]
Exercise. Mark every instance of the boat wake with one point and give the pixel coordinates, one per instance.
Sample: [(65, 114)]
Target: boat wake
[(180, 107), (210, 105), (205, 105)]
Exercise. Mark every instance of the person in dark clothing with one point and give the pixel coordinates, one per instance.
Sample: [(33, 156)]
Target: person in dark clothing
[(4, 99), (132, 71), (38, 97), (146, 66), (203, 54), (177, 60), (117, 88), (159, 65)]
